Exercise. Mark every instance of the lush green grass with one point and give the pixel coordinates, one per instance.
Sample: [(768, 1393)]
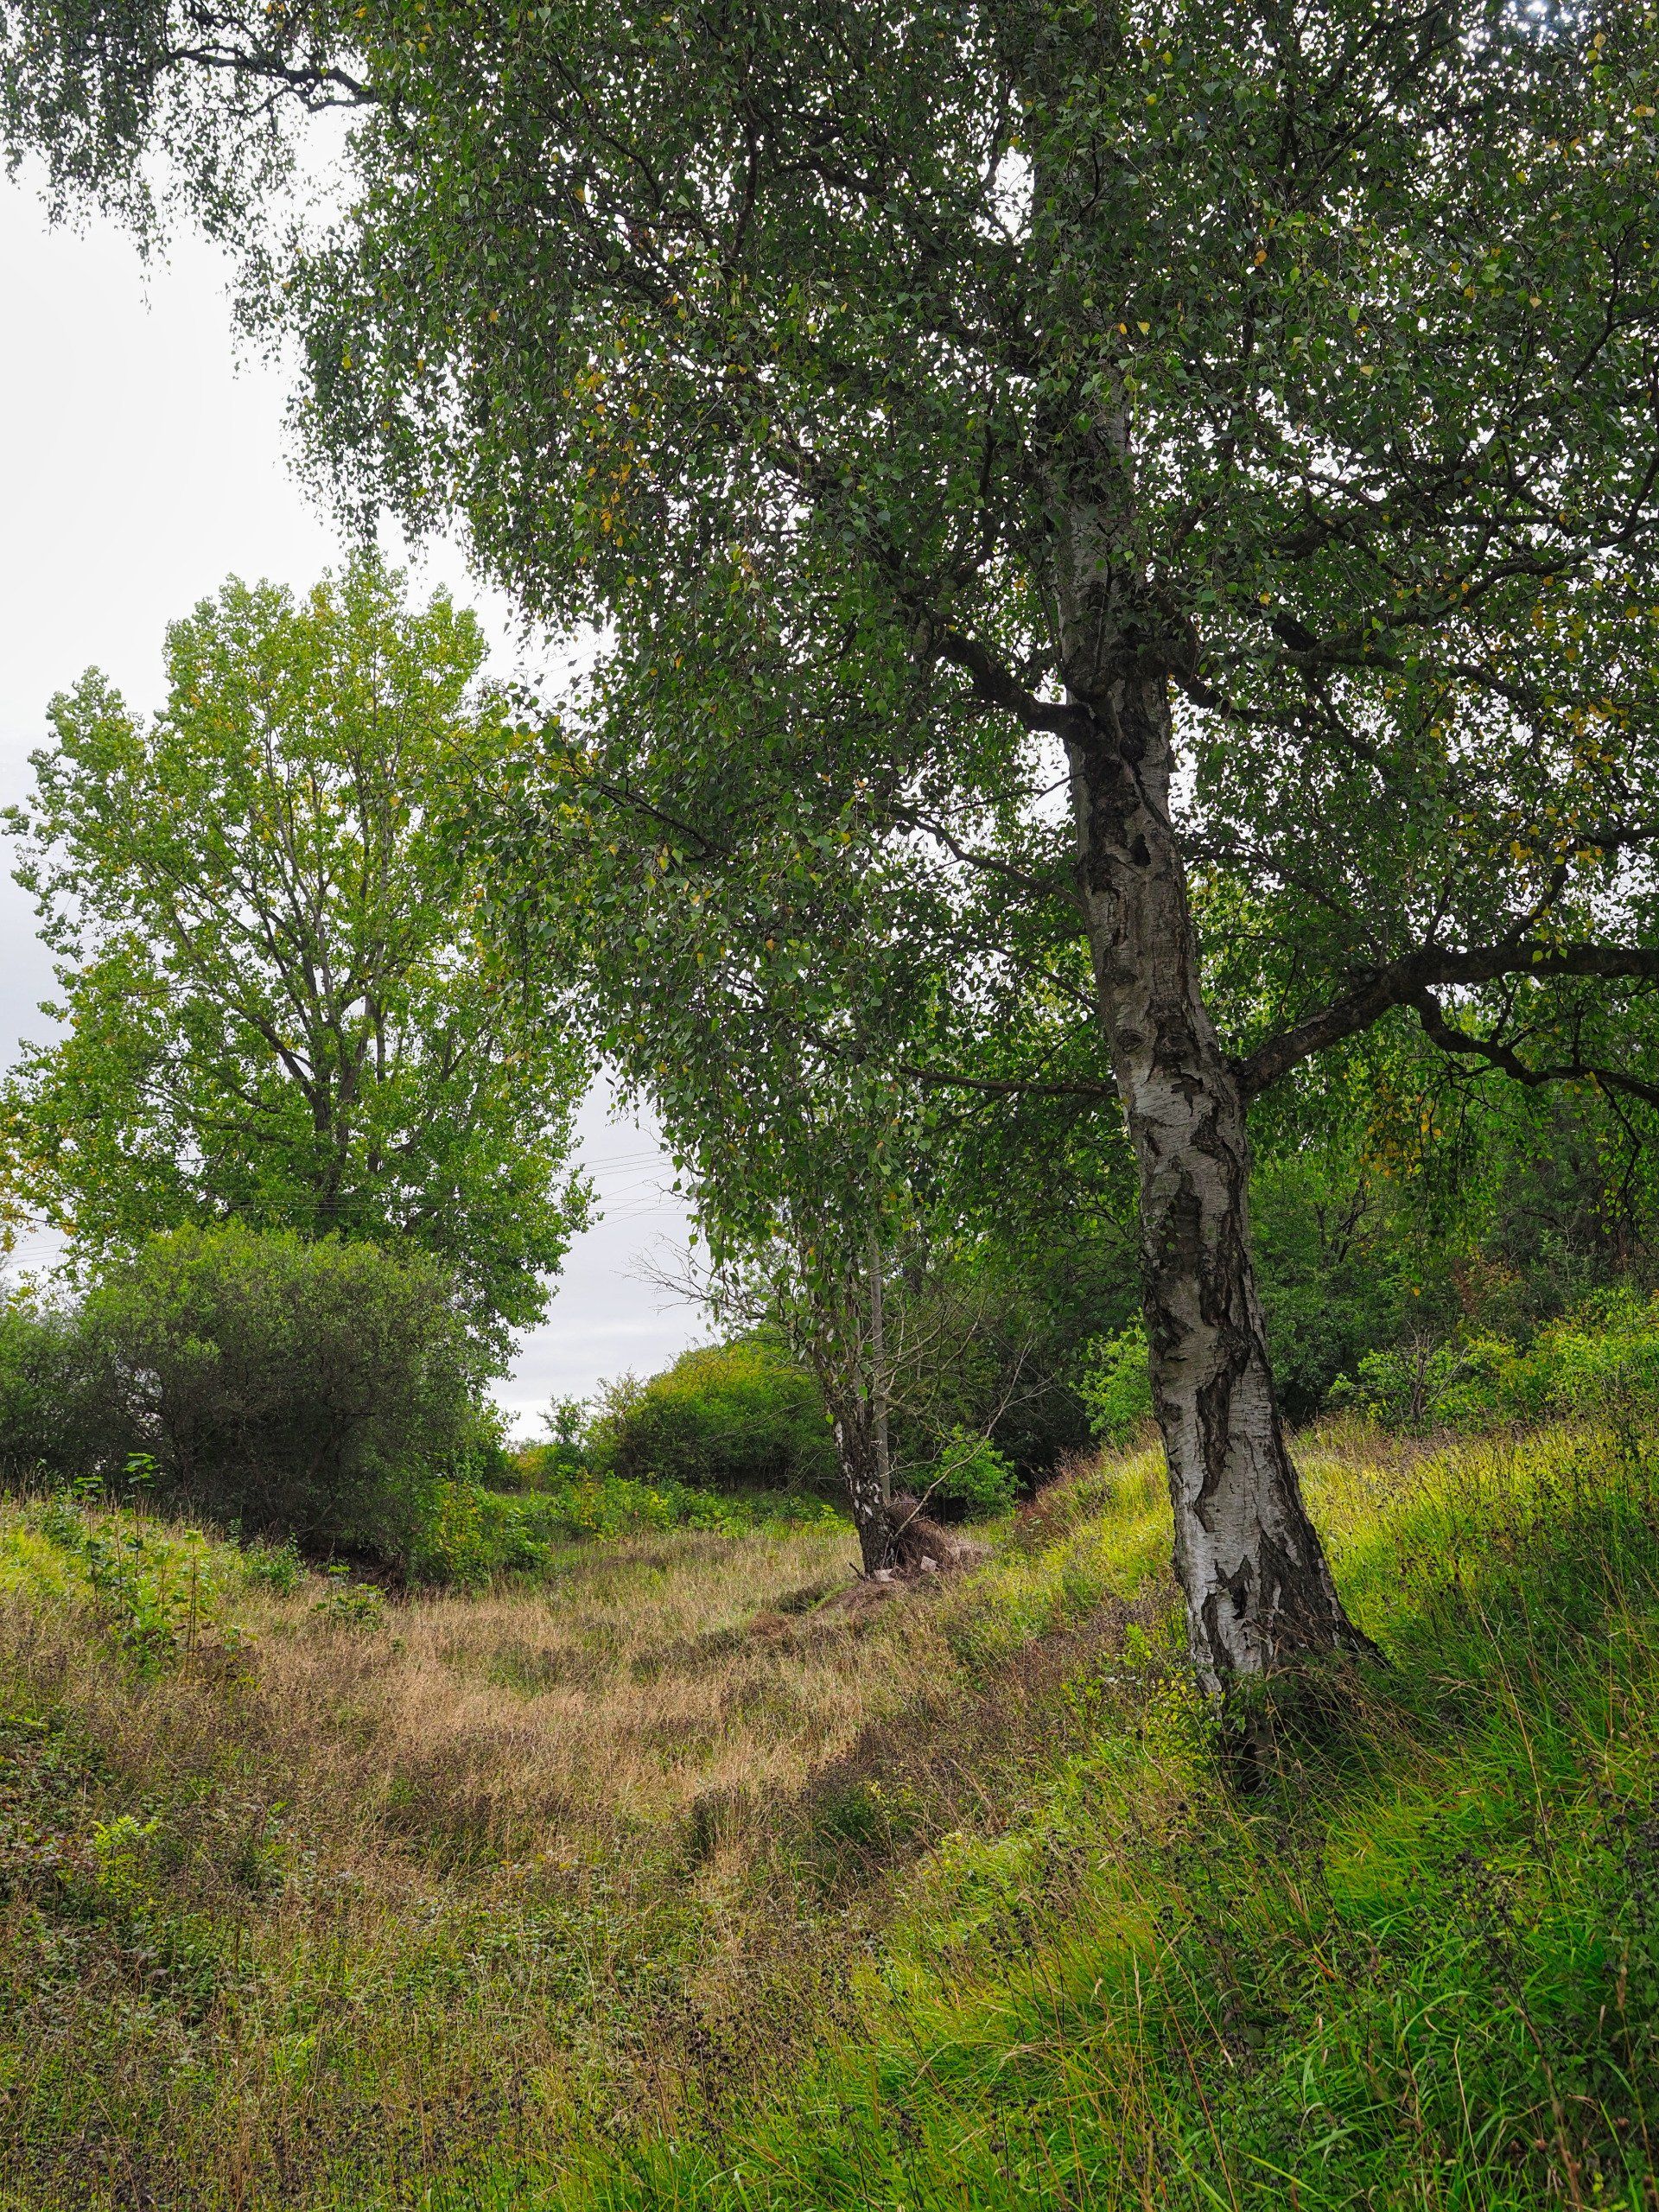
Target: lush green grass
[(953, 1907), (468, 1535), (1421, 1968)]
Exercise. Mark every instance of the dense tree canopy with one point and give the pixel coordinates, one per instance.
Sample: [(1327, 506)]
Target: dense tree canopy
[(277, 1004)]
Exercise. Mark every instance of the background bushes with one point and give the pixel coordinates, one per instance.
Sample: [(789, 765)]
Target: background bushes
[(739, 1417), (332, 1394), (1600, 1361), (743, 1419), (48, 1419), (318, 1390)]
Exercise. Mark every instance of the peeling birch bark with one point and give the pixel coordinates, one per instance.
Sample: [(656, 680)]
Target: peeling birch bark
[(1258, 1591)]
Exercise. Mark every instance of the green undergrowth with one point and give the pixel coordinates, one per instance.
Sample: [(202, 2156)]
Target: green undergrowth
[(467, 1533), (951, 1903), (1419, 1967)]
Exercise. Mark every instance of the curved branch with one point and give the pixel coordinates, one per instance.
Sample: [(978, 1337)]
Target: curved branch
[(316, 85), (1401, 981), (1508, 1061), (992, 681)]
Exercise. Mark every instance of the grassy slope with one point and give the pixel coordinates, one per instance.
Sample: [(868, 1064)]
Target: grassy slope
[(610, 1895)]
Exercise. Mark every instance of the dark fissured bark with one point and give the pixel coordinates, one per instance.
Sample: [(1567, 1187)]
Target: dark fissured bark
[(1258, 1591)]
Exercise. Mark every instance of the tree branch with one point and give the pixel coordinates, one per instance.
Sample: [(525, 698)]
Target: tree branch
[(1399, 982), (1504, 1058), (997, 685)]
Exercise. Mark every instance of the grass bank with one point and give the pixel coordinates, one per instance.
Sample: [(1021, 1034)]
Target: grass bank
[(665, 1884)]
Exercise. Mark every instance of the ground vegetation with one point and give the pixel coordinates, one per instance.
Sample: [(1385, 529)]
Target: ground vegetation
[(671, 1875)]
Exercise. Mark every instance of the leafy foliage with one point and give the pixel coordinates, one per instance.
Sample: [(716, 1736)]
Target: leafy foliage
[(316, 1388), (1600, 1362), (973, 1474), (277, 1003), (1115, 1387), (789, 424), (734, 1416), (46, 1422)]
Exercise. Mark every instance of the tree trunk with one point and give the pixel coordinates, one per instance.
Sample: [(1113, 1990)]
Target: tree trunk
[(878, 1379), (1258, 1591), (862, 1472)]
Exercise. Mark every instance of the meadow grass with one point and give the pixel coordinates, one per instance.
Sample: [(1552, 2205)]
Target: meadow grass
[(664, 1883)]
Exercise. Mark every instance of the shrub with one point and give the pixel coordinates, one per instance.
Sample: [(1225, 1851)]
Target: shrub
[(1409, 1386), (1116, 1385), (1602, 1360), (48, 1424), (972, 1473), (313, 1389), (737, 1417), (273, 1567)]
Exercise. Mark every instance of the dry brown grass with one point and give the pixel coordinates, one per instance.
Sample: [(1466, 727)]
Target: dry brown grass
[(531, 1720), (503, 1867)]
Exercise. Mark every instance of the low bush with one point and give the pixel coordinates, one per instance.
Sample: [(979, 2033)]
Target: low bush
[(973, 1475), (1116, 1385), (1601, 1361), (737, 1417), (48, 1422), (313, 1391)]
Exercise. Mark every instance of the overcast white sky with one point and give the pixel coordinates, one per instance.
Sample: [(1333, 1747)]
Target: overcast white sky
[(140, 465)]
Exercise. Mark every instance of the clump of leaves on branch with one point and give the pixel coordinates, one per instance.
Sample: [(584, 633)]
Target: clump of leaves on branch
[(1264, 391)]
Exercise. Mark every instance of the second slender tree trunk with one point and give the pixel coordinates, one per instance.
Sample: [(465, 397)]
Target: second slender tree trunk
[(865, 1477), (878, 1379)]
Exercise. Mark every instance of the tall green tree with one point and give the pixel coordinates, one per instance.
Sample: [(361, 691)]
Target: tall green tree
[(1245, 409), (277, 1005), (840, 1017)]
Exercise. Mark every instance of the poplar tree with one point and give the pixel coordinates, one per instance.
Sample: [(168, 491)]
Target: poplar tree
[(277, 1005)]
